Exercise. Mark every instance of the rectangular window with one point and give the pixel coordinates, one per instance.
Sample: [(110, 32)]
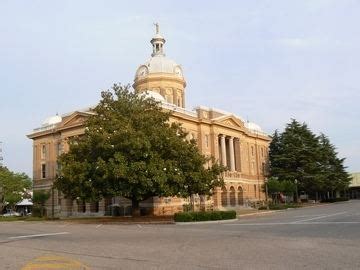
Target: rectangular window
[(252, 150), (43, 151), (43, 171), (207, 140), (58, 149), (263, 168)]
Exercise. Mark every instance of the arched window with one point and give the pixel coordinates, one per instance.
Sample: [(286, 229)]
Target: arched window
[(224, 197), (240, 196), (232, 196)]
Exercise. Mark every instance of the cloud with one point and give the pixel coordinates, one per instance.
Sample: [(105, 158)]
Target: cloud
[(298, 42), (313, 43)]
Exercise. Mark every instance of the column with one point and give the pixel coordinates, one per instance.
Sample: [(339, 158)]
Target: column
[(232, 154), (237, 151), (223, 150)]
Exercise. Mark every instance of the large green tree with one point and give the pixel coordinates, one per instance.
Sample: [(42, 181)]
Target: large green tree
[(333, 172), (13, 187), (131, 149), (298, 155)]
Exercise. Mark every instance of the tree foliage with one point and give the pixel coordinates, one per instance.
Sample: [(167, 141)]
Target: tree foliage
[(40, 197), (276, 187), (131, 149), (298, 154), (13, 186)]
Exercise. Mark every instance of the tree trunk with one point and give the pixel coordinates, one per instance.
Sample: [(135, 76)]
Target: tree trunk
[(135, 209)]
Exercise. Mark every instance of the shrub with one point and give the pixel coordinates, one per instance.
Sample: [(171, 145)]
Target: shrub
[(215, 215), (228, 214), (283, 206), (204, 216), (183, 217), (38, 211), (262, 208), (332, 200)]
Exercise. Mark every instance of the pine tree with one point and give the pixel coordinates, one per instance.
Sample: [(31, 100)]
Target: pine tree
[(335, 177), (300, 156)]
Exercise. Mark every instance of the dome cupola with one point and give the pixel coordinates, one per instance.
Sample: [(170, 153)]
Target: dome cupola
[(161, 74), (158, 42)]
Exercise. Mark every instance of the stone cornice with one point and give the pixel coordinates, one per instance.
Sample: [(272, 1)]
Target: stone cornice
[(155, 77)]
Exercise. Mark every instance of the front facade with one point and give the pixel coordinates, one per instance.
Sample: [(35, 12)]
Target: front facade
[(240, 146)]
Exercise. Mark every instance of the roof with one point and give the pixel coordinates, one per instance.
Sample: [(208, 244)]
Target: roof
[(24, 202)]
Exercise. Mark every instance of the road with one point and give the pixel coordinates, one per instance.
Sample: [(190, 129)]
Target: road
[(321, 237)]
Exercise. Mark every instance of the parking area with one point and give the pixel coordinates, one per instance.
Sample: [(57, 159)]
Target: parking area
[(321, 237)]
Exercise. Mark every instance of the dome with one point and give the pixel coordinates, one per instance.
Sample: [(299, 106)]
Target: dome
[(159, 64), (253, 126), (154, 95), (52, 120)]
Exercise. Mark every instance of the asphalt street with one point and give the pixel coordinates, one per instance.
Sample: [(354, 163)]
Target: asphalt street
[(320, 237)]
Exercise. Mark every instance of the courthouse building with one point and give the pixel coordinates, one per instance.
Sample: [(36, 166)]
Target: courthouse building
[(239, 145)]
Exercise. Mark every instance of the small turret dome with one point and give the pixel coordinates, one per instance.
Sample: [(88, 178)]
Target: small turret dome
[(154, 95), (253, 126), (52, 120)]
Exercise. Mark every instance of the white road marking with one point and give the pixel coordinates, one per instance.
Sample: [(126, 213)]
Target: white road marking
[(292, 223), (37, 235), (307, 216), (139, 225), (258, 224), (320, 217), (98, 226)]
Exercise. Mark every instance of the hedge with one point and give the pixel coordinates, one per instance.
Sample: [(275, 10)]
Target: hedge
[(341, 199), (283, 206), (204, 216)]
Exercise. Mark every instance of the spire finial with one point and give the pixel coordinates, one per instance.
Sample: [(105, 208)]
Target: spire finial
[(158, 42), (157, 27)]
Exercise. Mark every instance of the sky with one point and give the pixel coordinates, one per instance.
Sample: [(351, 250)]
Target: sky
[(265, 60)]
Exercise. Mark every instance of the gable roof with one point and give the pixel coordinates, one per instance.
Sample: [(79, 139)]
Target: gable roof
[(229, 120)]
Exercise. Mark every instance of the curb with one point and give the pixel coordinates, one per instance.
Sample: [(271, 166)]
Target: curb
[(206, 222), (258, 213)]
